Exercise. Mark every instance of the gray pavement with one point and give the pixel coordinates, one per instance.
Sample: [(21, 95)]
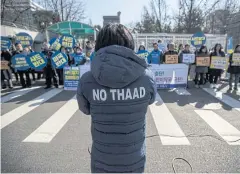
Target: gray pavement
[(30, 144)]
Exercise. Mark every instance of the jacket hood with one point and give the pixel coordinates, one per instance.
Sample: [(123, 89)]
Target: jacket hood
[(117, 66)]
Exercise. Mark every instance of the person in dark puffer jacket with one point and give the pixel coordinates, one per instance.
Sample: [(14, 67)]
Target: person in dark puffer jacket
[(234, 70), (116, 93)]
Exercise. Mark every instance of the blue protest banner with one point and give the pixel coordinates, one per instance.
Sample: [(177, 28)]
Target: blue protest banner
[(5, 43), (67, 41), (24, 38), (55, 44), (78, 58), (19, 61), (71, 78), (36, 61), (59, 60), (198, 39)]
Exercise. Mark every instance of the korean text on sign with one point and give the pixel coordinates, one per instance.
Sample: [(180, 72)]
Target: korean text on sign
[(71, 78), (203, 61), (188, 58), (59, 60), (67, 42), (219, 62), (37, 60), (236, 59), (171, 59)]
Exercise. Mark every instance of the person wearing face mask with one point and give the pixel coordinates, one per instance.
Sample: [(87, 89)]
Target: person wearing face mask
[(155, 57), (27, 82), (142, 52), (170, 51), (201, 70), (234, 70), (215, 74), (79, 57)]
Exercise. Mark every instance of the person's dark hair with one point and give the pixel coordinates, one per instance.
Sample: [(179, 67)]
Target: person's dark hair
[(62, 47), (18, 43), (187, 45), (238, 45), (215, 47), (155, 44), (179, 46), (88, 42), (114, 34), (141, 46), (201, 49), (159, 41)]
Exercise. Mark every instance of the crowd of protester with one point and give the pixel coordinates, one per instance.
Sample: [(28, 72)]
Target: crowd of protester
[(51, 75), (204, 74)]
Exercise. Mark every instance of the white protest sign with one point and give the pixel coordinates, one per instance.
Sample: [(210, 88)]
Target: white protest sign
[(170, 75), (188, 58)]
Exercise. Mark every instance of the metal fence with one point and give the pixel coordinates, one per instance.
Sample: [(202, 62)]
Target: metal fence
[(147, 39)]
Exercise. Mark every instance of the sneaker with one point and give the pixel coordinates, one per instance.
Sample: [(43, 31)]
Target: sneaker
[(56, 86), (230, 88), (196, 86), (211, 85), (214, 86)]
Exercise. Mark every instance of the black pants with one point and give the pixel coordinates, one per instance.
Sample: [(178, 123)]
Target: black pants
[(27, 82), (60, 76), (201, 81), (33, 74), (15, 73), (213, 79), (51, 74)]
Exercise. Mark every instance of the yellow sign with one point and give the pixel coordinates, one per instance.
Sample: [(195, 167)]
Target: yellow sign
[(219, 62), (203, 61), (4, 65), (171, 59), (236, 59)]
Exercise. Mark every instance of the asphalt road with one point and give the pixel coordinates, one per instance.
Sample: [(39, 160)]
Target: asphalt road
[(43, 131)]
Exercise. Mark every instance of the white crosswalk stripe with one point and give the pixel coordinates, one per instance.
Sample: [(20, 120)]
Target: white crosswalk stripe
[(48, 130), (17, 93), (229, 133), (224, 98), (163, 118), (169, 130), (17, 113)]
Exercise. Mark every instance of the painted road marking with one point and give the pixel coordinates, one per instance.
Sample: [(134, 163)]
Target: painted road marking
[(223, 128), (166, 124), (49, 129), (17, 113)]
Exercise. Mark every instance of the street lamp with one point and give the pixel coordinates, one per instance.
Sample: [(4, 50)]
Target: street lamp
[(44, 26)]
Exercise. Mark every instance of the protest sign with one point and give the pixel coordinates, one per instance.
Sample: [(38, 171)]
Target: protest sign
[(67, 41), (19, 62), (55, 44), (236, 59), (198, 39), (59, 60), (5, 43), (78, 58), (170, 76), (4, 65), (143, 54), (171, 59), (203, 61), (36, 61), (219, 62), (188, 58), (24, 38), (71, 78)]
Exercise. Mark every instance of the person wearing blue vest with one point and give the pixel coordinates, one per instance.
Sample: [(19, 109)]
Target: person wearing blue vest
[(155, 57), (79, 57)]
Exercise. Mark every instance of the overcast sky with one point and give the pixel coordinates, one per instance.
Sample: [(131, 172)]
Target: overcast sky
[(131, 9)]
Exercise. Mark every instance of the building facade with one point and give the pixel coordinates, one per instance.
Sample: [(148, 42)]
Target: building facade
[(111, 19)]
